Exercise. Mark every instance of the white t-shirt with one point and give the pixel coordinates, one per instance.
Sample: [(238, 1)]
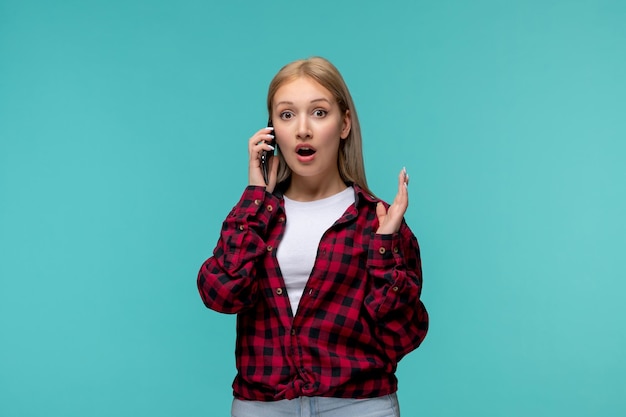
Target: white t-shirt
[(306, 222)]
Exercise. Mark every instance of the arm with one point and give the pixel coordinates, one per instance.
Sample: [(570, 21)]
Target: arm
[(394, 265), (394, 303), (226, 281)]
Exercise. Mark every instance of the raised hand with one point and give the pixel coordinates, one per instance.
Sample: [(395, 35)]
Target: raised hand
[(389, 221)]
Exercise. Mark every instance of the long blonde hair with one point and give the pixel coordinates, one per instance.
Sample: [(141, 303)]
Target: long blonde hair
[(350, 158)]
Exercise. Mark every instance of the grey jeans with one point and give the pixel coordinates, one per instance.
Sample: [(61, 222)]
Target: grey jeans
[(385, 406)]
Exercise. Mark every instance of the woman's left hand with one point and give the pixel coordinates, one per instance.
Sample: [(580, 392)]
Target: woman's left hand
[(389, 221)]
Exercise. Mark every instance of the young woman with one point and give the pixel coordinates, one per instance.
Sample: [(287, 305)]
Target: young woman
[(324, 277)]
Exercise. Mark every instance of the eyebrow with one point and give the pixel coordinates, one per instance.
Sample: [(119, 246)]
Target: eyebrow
[(312, 101)]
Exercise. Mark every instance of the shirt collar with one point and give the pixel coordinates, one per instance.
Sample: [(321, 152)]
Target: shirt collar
[(360, 196)]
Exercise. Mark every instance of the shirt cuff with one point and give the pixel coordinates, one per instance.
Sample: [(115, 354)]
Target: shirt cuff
[(385, 251), (255, 200)]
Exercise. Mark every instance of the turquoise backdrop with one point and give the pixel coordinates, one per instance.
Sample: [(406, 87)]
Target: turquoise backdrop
[(123, 134)]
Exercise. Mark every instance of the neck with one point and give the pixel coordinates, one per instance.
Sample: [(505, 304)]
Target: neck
[(311, 189)]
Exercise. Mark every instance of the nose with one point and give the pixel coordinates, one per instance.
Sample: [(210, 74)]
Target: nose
[(303, 129)]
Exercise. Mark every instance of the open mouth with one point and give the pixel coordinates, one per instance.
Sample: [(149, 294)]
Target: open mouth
[(304, 151)]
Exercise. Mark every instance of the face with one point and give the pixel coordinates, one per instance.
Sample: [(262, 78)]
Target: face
[(309, 127)]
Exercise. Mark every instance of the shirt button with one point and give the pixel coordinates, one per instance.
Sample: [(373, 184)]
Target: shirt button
[(241, 227), (395, 250), (281, 219), (395, 288), (257, 202), (269, 248), (270, 208), (293, 332), (381, 250), (279, 291)]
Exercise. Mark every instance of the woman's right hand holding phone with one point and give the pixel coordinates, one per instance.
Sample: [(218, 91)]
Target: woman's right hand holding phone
[(257, 144)]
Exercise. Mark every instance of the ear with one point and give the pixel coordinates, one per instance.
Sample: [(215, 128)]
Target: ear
[(346, 125)]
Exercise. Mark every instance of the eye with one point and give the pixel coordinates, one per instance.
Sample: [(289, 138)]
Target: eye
[(319, 113), (286, 115)]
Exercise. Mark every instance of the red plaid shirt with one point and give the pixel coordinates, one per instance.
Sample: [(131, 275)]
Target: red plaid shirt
[(360, 312)]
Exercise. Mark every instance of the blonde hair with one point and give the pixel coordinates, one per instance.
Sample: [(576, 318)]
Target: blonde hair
[(350, 158)]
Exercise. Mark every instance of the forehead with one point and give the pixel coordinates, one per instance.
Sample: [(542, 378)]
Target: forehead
[(302, 89)]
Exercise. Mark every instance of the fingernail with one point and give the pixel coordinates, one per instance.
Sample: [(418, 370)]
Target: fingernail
[(271, 147), (271, 136), (269, 127)]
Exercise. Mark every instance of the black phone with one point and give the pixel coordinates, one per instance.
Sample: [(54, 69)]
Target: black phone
[(267, 155)]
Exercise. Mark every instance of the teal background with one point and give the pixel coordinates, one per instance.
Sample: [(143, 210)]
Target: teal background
[(123, 129)]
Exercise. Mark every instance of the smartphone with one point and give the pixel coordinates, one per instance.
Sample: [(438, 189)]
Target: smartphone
[(266, 156)]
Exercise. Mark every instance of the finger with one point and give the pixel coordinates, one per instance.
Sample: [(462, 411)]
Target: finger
[(403, 177), (402, 186), (381, 211), (261, 145), (401, 199), (263, 135), (257, 148), (265, 131)]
